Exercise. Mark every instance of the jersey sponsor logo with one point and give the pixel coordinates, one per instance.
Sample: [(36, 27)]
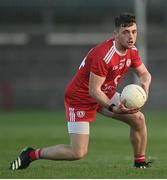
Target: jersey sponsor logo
[(109, 55), (80, 114), (107, 88), (116, 79)]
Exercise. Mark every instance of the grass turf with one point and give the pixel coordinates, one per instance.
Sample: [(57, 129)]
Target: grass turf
[(110, 153)]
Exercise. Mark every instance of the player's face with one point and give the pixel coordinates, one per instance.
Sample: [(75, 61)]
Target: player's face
[(126, 37)]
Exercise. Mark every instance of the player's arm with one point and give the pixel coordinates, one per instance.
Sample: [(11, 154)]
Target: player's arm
[(144, 76), (95, 83)]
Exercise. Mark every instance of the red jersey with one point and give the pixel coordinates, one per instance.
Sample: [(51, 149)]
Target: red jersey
[(103, 60)]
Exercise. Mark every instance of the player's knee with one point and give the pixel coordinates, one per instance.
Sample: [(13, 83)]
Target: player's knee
[(79, 154), (138, 120)]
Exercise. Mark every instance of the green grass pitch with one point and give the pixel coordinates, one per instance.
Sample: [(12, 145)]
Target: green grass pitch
[(109, 156)]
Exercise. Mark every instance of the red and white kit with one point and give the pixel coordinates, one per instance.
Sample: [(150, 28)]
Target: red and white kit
[(103, 60)]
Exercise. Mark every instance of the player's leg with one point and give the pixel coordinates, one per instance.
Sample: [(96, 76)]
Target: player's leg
[(138, 133), (138, 129), (77, 148), (79, 140)]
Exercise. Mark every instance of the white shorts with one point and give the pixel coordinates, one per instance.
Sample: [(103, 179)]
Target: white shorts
[(78, 127), (83, 126)]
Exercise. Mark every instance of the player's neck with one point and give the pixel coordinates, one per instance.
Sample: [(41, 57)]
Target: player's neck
[(119, 49)]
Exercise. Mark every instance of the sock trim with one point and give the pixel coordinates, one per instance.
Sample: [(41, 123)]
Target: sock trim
[(140, 158), (36, 154)]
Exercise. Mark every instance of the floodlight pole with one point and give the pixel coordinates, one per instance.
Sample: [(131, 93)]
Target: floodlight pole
[(140, 11)]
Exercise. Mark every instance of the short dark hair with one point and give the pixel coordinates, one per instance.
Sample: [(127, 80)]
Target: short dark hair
[(125, 20)]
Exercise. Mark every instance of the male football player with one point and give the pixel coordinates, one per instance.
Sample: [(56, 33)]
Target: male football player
[(94, 89)]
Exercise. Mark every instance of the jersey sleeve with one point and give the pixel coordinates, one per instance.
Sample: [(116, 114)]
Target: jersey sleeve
[(136, 60), (99, 66)]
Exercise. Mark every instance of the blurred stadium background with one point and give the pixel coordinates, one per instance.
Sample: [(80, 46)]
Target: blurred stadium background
[(42, 43)]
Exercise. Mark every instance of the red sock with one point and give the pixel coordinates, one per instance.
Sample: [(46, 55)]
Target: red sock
[(34, 155), (139, 159)]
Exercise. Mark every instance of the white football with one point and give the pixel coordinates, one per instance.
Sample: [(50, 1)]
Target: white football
[(134, 95)]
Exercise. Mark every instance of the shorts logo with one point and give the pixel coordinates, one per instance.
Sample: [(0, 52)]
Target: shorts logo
[(80, 114)]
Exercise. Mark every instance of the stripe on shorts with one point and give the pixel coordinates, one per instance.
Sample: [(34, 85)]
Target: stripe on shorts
[(71, 114)]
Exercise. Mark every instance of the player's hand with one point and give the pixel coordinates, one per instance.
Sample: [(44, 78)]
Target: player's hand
[(122, 109)]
